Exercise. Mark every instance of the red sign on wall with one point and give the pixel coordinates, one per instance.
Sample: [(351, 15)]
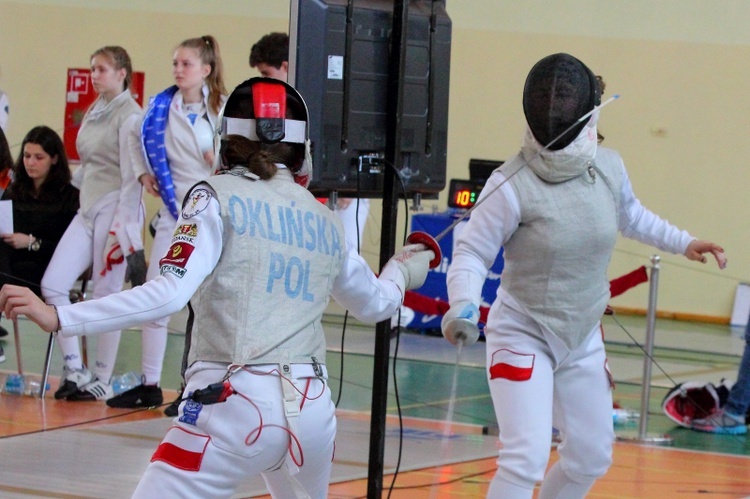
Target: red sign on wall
[(79, 95)]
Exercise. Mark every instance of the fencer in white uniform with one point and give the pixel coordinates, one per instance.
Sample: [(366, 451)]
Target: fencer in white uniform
[(107, 229), (258, 257), (187, 130), (556, 211)]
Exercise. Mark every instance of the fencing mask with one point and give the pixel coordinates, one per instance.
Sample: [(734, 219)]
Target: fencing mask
[(558, 91)]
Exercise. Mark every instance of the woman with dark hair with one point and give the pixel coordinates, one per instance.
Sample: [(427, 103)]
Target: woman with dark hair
[(44, 203), (106, 231)]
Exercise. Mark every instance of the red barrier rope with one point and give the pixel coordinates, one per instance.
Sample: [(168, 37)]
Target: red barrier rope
[(435, 306), (623, 283)]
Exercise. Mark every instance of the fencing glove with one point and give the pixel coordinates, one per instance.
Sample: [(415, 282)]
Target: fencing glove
[(408, 268), (459, 324), (136, 268)]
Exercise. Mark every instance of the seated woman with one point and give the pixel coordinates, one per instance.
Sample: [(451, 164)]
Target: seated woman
[(44, 203)]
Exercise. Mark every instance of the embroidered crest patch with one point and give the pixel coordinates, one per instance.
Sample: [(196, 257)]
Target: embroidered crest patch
[(185, 233), (198, 202), (176, 258)]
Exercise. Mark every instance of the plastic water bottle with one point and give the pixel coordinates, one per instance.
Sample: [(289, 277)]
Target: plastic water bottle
[(624, 417), (15, 384), (34, 386), (125, 382)]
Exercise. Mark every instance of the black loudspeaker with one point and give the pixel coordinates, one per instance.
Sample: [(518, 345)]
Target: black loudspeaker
[(338, 61), (481, 169)]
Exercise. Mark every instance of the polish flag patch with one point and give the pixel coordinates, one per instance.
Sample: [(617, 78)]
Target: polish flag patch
[(182, 449), (511, 365)]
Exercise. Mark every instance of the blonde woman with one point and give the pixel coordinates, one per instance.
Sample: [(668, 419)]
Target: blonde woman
[(177, 136)]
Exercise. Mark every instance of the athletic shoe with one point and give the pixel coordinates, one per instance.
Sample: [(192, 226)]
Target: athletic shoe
[(139, 396), (721, 422), (71, 381), (2, 354), (3, 332), (96, 390), (174, 408)]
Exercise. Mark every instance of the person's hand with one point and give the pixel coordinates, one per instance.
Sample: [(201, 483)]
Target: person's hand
[(18, 300), (343, 203), (413, 262), (209, 157), (459, 324), (149, 183), (697, 248), (112, 253), (18, 240)]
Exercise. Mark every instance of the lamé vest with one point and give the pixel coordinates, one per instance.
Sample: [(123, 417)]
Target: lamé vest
[(282, 251), (557, 259), (98, 144)]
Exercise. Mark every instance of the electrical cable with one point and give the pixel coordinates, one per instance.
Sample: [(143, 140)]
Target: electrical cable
[(346, 312), (684, 266), (398, 337), (525, 163), (81, 423), (398, 408), (437, 406), (47, 288), (341, 361), (26, 281), (651, 358)]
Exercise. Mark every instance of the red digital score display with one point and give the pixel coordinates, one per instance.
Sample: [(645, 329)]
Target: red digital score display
[(464, 193), (465, 198)]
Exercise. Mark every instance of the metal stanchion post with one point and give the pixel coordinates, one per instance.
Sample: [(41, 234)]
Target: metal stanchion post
[(648, 348)]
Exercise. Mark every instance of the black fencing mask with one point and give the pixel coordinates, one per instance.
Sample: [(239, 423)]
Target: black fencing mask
[(559, 90)]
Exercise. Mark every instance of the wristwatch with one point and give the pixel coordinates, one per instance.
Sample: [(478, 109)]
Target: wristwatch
[(36, 245)]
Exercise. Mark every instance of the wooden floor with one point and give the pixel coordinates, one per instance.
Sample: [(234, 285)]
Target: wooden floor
[(639, 470), (699, 465)]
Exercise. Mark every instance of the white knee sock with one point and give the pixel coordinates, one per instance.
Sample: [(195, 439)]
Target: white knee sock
[(154, 341), (71, 351)]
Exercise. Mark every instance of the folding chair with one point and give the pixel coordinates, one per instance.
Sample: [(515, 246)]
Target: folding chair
[(17, 338), (75, 296)]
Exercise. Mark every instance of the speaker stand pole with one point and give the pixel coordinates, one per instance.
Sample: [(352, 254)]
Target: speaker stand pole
[(387, 246)]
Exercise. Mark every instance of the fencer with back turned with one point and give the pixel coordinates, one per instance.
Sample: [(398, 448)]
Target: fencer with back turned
[(258, 257)]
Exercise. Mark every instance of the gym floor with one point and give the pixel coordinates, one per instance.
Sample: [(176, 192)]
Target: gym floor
[(425, 368)]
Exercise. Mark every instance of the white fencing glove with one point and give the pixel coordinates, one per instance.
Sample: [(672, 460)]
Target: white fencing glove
[(459, 324), (408, 268)]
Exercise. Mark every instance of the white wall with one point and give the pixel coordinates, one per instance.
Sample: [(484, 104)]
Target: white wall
[(680, 67)]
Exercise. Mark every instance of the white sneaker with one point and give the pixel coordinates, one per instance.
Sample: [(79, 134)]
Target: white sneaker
[(96, 390), (71, 381)]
